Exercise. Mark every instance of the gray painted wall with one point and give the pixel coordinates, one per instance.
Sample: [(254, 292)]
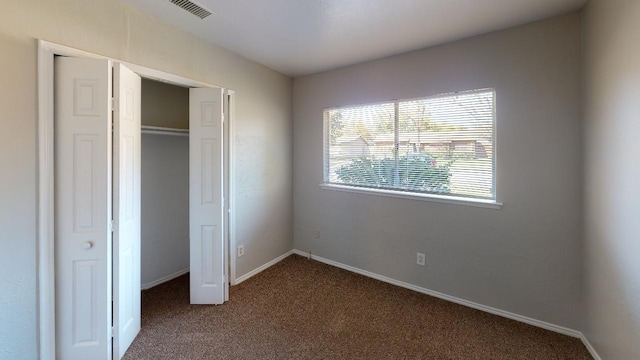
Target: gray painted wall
[(612, 178), (262, 138), (524, 258), (165, 206)]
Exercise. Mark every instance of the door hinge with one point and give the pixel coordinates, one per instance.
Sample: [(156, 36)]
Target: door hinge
[(114, 103), (112, 225), (113, 331)]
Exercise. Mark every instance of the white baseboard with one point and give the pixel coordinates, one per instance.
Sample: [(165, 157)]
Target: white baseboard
[(261, 268), (506, 314), (164, 279), (589, 347)]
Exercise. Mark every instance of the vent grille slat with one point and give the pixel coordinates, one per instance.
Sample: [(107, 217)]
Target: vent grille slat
[(192, 7)]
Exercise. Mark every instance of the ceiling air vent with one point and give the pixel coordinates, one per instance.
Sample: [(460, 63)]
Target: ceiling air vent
[(192, 7)]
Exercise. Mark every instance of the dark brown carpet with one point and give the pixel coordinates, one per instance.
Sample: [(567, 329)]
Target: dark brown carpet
[(303, 309)]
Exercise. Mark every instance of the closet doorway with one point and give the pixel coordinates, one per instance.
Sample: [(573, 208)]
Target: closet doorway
[(78, 273), (165, 220), (164, 228)]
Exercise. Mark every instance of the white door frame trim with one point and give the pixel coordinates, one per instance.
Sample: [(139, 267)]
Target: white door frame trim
[(230, 175), (45, 192)]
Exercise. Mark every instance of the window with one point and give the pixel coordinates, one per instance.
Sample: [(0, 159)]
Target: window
[(439, 145)]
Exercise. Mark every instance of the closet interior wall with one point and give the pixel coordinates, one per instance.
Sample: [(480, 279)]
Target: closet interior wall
[(165, 183)]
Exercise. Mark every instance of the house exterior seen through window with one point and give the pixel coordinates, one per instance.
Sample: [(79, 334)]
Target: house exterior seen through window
[(443, 145)]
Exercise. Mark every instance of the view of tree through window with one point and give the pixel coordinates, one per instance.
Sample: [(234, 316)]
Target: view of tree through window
[(440, 145)]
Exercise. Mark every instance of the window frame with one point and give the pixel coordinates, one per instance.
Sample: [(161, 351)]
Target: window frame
[(404, 194)]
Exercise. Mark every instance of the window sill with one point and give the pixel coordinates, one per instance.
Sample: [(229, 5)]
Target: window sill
[(421, 197)]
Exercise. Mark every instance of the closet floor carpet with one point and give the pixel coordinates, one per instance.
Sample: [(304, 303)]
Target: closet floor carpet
[(303, 309)]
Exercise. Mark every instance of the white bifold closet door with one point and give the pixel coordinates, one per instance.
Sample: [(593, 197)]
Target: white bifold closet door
[(126, 208), (94, 253), (207, 277)]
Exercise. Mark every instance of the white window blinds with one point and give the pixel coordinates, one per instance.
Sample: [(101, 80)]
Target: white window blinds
[(437, 145)]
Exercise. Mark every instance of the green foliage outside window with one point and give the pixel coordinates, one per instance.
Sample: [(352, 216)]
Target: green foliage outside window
[(416, 172)]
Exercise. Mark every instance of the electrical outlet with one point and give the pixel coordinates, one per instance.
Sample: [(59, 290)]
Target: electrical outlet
[(420, 259), (240, 250), (317, 234)]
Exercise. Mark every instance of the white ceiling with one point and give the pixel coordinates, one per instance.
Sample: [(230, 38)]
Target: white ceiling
[(301, 37)]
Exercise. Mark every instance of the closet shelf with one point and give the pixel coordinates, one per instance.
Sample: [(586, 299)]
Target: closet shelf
[(158, 130)]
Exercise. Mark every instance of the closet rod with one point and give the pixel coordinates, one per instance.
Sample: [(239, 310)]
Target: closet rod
[(158, 130)]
